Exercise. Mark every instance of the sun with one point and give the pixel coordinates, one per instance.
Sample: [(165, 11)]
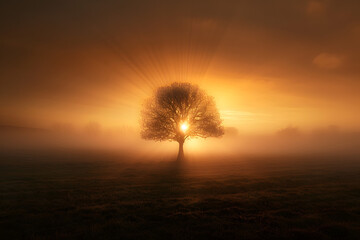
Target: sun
[(184, 127)]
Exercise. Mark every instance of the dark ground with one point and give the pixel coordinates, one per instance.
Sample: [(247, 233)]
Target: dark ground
[(103, 195)]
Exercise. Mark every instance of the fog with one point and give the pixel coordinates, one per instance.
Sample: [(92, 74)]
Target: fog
[(289, 140)]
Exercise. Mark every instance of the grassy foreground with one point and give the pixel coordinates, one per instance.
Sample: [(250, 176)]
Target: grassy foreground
[(104, 195)]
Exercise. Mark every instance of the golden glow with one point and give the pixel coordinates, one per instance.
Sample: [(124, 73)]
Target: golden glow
[(184, 127), (260, 87)]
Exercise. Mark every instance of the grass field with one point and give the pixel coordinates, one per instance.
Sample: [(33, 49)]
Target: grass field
[(108, 195)]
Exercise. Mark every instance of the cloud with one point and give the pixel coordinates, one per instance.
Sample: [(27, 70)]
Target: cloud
[(71, 61), (315, 8), (328, 61)]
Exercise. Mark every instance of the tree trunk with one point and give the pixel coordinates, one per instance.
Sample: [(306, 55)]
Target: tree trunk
[(181, 150)]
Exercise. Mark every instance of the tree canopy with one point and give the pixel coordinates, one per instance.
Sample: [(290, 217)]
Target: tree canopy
[(178, 112)]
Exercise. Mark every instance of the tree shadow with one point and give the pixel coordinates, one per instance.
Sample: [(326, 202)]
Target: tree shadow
[(170, 179)]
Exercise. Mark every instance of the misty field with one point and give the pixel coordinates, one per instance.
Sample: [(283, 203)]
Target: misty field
[(108, 195)]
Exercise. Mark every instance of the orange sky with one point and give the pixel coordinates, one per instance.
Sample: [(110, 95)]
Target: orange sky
[(268, 65)]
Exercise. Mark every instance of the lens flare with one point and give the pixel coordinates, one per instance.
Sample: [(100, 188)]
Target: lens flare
[(184, 127)]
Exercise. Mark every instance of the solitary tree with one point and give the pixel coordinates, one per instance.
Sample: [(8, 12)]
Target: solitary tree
[(178, 112)]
